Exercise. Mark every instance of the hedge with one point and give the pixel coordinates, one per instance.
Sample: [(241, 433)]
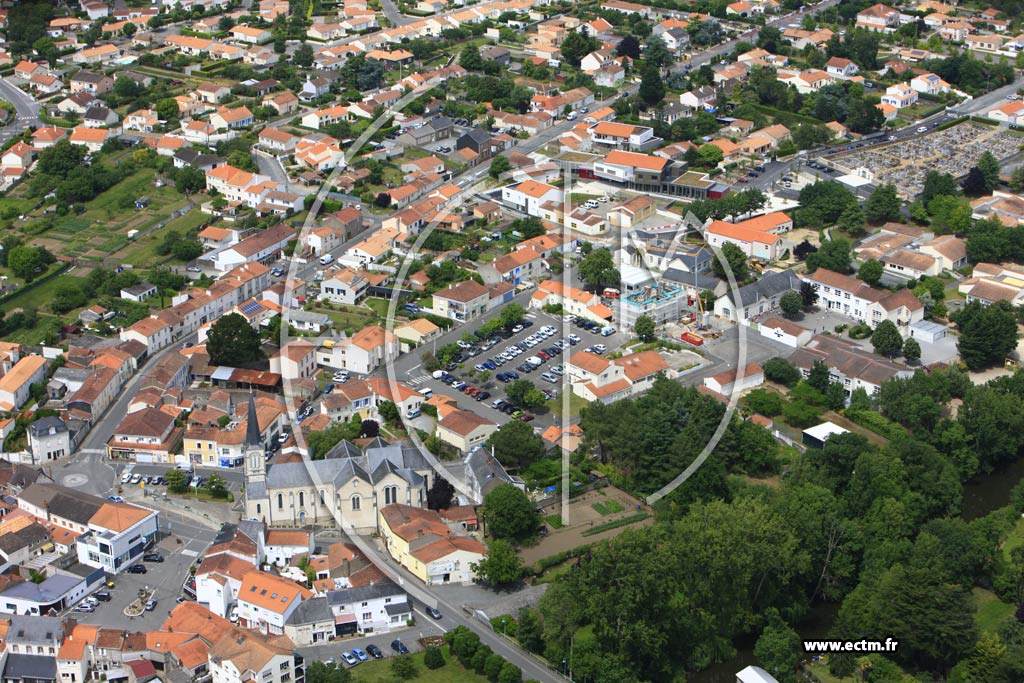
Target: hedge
[(608, 526), (876, 422)]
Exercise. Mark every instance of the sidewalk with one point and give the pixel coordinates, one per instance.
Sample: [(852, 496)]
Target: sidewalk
[(207, 514)]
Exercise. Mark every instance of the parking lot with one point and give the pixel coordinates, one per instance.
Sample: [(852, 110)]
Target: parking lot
[(164, 578), (495, 387)]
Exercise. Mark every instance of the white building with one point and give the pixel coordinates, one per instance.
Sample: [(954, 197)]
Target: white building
[(373, 609), (118, 535), (529, 195)]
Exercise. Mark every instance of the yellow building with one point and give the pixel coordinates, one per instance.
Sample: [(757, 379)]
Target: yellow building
[(422, 542)]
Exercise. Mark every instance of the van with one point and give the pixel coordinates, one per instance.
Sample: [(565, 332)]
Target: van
[(184, 466), (535, 361), (325, 259), (412, 413), (607, 332), (427, 391), (571, 116)]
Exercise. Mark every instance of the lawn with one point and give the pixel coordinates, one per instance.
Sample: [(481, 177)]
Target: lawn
[(1014, 539), (379, 671), (609, 507), (39, 297), (555, 521), (380, 308), (990, 611), (575, 404), (350, 319)]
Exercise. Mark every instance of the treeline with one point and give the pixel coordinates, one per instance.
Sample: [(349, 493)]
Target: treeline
[(872, 527)]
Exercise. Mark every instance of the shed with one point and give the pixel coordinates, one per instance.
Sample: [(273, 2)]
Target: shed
[(815, 437), (927, 331)]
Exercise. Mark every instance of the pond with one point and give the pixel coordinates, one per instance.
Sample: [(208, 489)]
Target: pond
[(988, 492)]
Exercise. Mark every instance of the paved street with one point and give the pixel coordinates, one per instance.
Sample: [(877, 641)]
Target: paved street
[(392, 14), (26, 111)]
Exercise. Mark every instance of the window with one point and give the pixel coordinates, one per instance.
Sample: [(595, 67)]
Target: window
[(322, 497), (280, 501), (355, 503), (367, 616), (302, 498), (390, 495), (257, 508)]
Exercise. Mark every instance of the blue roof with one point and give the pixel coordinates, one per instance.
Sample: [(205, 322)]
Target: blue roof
[(52, 589)]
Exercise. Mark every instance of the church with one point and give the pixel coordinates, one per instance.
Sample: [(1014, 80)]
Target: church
[(346, 488)]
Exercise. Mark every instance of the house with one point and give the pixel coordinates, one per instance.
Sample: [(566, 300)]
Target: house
[(98, 117), (95, 84), (421, 541), (92, 139), (118, 534), (929, 84), (464, 430), (138, 293), (949, 250), (785, 331), (15, 385), (100, 54), (225, 118), (344, 285), (879, 18), (148, 436), (840, 67), (849, 364), (597, 378), (910, 264), (211, 93), (363, 352), (529, 195), (375, 608), (418, 331), (622, 136), (462, 301), (283, 103), (856, 299), (576, 302), (1011, 113), (250, 34), (899, 96), (754, 243), (263, 247), (314, 88), (757, 298), (624, 167), (730, 383), (266, 601), (477, 141)]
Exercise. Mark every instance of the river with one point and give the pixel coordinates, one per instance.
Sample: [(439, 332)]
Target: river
[(815, 626)]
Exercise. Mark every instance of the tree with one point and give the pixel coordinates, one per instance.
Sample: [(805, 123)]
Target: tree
[(736, 260), (598, 269), (501, 566), (656, 53), (66, 297), (791, 303), (883, 205), (710, 155), (987, 333), (629, 46), (433, 658), (217, 487), (233, 342), (911, 350), (500, 164), (870, 271), (510, 673), (652, 88), (187, 249), (523, 392), (644, 328), (404, 667), (833, 255), (492, 667), (973, 183), (303, 56), (781, 371), (516, 444), (189, 179), (25, 262), (851, 220), (886, 339), (389, 412), (470, 58), (382, 200), (129, 30), (175, 481), (225, 24), (529, 631), (576, 46), (167, 109), (802, 250), (440, 494), (989, 167), (61, 159), (808, 294), (779, 650), (936, 184), (318, 672), (509, 513)]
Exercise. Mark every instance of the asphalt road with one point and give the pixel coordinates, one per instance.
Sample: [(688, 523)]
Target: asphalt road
[(26, 111), (390, 10)]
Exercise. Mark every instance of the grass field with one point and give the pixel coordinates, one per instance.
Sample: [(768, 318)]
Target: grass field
[(990, 611), (1014, 539), (350, 319), (609, 507), (575, 403), (554, 520), (379, 671), (38, 297)]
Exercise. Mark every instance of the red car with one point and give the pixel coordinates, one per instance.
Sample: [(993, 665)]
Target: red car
[(544, 354), (526, 417)]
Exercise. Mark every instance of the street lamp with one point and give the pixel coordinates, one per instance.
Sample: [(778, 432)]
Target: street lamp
[(563, 667)]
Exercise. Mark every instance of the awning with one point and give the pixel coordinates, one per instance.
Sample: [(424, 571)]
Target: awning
[(345, 619)]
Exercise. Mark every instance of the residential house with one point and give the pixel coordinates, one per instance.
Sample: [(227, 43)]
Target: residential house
[(856, 299)]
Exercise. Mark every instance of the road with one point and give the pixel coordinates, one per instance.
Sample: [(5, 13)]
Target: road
[(392, 14), (270, 165), (26, 111)]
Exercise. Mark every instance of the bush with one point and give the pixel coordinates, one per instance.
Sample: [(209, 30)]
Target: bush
[(403, 667), (432, 658), (859, 331), (876, 422)]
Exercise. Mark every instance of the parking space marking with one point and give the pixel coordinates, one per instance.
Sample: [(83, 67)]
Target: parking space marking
[(190, 553)]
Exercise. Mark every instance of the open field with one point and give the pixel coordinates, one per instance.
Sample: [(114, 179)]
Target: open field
[(379, 671), (990, 611), (142, 252)]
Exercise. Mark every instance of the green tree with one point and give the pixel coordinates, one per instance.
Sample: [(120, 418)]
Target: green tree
[(835, 255), (791, 303), (886, 339), (303, 55), (492, 667), (598, 269), (911, 350), (433, 658), (656, 53), (629, 46), (781, 371), (883, 204), (870, 271), (652, 87), (389, 412), (470, 58), (529, 631), (710, 155), (189, 179), (509, 513), (166, 109), (233, 342), (217, 487), (808, 294), (851, 220), (175, 481), (987, 333), (735, 258), (25, 262), (66, 297), (511, 315), (515, 444), (989, 167), (510, 673), (779, 650), (645, 328), (500, 164), (936, 184), (501, 566), (318, 672), (576, 46), (404, 667)]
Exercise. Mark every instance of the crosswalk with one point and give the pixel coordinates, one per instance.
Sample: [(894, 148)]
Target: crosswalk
[(417, 381)]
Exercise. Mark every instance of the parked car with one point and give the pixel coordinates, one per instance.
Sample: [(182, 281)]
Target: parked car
[(548, 377), (483, 396), (374, 652), (349, 658), (102, 596), (399, 647), (359, 654), (136, 478), (115, 499), (137, 569), (150, 605), (433, 612), (153, 557)]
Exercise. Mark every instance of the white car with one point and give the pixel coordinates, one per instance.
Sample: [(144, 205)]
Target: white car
[(136, 478), (922, 129), (600, 348), (126, 477)]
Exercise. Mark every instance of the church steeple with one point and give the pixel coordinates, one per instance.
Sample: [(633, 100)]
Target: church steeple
[(255, 464)]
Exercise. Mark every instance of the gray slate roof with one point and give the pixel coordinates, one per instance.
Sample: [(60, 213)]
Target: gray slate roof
[(769, 286), (30, 667), (345, 462), (382, 589), (312, 611)]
